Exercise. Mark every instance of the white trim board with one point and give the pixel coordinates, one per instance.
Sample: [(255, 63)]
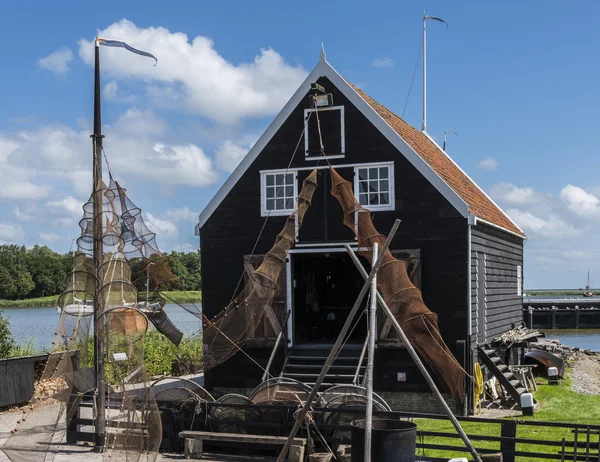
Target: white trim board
[(323, 68)]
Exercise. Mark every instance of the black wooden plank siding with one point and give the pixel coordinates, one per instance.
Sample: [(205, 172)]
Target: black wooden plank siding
[(429, 223), (494, 285)]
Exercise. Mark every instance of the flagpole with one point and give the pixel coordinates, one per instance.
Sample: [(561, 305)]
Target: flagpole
[(100, 398), (425, 18), (424, 126)]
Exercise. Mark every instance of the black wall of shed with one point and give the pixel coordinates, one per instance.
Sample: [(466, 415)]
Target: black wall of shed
[(429, 223)]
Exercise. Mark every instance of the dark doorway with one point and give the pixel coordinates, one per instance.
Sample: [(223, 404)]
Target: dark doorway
[(325, 287)]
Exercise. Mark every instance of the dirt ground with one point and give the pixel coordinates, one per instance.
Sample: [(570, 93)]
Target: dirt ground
[(586, 374)]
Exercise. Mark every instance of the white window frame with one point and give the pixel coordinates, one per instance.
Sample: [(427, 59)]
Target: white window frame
[(342, 133), (263, 193), (519, 280), (392, 191)]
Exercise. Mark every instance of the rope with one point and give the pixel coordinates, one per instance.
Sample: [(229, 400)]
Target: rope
[(412, 80), (478, 390)]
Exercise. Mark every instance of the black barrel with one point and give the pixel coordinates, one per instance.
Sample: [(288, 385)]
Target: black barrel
[(391, 441)]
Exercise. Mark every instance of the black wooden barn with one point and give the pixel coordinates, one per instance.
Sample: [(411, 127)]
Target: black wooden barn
[(463, 251)]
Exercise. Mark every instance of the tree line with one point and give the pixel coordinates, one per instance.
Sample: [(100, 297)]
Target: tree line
[(42, 272)]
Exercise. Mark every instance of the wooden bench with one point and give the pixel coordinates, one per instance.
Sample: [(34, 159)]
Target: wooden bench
[(194, 443)]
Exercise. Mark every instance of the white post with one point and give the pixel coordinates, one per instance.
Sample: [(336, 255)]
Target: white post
[(424, 127), (370, 359)]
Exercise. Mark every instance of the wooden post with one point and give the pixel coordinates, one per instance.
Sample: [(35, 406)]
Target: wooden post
[(265, 375), (370, 359), (337, 346), (508, 447), (417, 360)]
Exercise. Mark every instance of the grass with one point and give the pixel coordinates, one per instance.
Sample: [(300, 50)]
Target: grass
[(555, 293), (557, 404), (175, 296)]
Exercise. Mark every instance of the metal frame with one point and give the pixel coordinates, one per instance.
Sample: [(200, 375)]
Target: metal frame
[(340, 155)]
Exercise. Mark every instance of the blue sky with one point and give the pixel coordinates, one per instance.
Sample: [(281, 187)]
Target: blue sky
[(518, 81)]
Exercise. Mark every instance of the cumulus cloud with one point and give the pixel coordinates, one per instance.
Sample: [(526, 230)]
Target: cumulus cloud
[(11, 233), (550, 227), (490, 164), (508, 193), (69, 204), (182, 214), (580, 202), (22, 190), (49, 237), (57, 62), (160, 226), (112, 92), (192, 74), (382, 62), (229, 154)]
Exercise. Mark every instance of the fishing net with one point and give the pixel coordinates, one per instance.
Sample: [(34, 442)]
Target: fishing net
[(403, 298), (226, 333)]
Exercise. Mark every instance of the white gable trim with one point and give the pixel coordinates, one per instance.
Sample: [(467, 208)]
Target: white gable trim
[(325, 69)]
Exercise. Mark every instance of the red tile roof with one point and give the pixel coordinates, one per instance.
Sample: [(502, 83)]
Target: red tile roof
[(477, 201)]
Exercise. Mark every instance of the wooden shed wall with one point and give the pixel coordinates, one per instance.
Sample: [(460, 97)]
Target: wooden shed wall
[(496, 305), (429, 223)]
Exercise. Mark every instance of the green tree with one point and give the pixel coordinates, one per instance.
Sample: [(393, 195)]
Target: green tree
[(6, 340)]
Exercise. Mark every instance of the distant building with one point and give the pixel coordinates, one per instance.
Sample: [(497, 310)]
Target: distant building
[(463, 251)]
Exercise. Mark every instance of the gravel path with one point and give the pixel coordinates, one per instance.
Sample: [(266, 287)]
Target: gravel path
[(586, 374)]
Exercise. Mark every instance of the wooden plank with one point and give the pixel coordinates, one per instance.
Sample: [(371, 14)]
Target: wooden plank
[(239, 437)]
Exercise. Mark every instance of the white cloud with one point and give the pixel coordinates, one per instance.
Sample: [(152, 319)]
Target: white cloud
[(49, 237), (490, 164), (112, 92), (162, 227), (57, 62), (382, 62), (11, 233), (192, 74), (182, 214), (510, 194), (550, 227), (229, 154), (68, 204), (580, 202), (22, 190)]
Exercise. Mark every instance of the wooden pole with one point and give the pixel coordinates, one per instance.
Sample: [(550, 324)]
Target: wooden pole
[(370, 360), (418, 361), (100, 423), (336, 347), (283, 328)]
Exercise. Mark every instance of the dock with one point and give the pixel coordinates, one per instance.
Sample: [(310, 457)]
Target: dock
[(561, 313)]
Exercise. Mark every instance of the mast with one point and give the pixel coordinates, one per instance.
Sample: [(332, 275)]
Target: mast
[(100, 424), (424, 126), (425, 18)]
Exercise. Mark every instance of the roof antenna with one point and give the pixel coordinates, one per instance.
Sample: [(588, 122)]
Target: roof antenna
[(322, 56), (425, 18), (446, 134)]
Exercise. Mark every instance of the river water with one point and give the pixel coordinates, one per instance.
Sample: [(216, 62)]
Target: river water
[(38, 324)]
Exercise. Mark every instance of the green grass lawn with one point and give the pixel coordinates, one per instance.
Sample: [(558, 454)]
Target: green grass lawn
[(557, 404), (171, 296)]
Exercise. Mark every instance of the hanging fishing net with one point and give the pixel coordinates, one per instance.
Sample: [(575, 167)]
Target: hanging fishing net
[(403, 298), (226, 333)]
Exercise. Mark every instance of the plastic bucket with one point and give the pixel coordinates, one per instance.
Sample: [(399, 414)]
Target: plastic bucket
[(391, 441)]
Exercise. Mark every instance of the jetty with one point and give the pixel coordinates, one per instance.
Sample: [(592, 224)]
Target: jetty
[(561, 313)]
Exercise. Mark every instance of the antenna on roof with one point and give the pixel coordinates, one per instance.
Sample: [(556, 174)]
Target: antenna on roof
[(445, 135), (322, 56), (425, 18)]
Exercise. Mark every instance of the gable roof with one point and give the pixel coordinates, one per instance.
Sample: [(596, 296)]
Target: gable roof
[(479, 203), (418, 148)]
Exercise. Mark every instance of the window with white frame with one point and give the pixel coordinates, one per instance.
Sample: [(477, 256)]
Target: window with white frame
[(278, 191), (332, 132), (374, 186)]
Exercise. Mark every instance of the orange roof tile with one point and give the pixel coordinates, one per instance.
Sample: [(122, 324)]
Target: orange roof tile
[(477, 201)]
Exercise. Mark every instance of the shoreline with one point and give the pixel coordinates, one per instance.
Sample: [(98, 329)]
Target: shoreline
[(174, 296)]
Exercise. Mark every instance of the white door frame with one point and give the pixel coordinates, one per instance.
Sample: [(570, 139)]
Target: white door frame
[(289, 298)]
